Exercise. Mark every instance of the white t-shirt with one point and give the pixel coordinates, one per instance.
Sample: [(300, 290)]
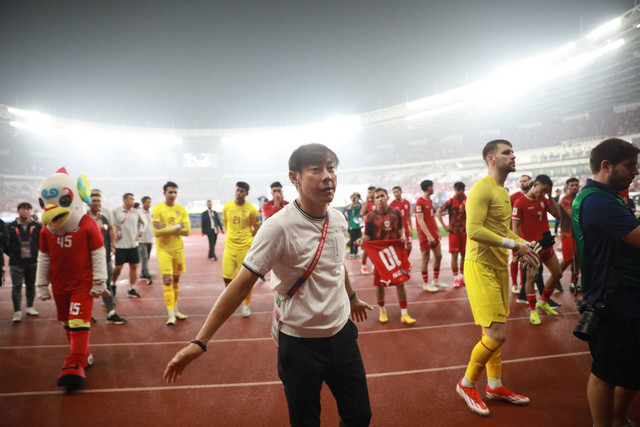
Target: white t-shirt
[(286, 244)]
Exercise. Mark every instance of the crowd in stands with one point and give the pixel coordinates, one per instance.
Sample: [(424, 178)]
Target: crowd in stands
[(120, 170)]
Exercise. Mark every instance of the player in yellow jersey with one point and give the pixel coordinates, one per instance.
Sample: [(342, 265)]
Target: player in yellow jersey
[(488, 240), (240, 219), (171, 222)]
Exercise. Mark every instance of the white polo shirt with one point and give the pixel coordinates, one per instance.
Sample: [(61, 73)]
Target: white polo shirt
[(286, 244)]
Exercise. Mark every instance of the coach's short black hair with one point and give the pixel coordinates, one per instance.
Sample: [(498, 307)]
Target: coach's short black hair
[(169, 184), (276, 184), (126, 195), (458, 185), (613, 149), (25, 205), (424, 185), (311, 154), (243, 185), (544, 179), (145, 198), (491, 147), (96, 195), (398, 187)]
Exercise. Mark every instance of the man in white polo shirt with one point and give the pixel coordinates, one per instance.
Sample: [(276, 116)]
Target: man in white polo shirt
[(129, 226), (314, 325)]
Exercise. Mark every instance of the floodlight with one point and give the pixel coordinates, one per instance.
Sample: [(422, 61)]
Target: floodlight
[(604, 29)]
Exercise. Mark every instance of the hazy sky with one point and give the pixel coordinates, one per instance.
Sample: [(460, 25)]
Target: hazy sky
[(205, 64)]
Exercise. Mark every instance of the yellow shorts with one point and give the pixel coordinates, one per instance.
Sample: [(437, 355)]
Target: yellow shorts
[(488, 292), (232, 261), (171, 262)]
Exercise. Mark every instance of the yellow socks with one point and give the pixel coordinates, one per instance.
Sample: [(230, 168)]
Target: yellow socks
[(485, 351)]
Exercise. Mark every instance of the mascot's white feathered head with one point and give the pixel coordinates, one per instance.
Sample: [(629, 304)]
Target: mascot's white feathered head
[(61, 199)]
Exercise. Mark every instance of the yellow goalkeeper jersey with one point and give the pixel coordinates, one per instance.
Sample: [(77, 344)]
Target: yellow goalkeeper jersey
[(488, 221), (166, 238), (238, 221)]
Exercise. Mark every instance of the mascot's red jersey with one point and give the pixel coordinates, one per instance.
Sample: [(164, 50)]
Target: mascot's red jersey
[(70, 253)]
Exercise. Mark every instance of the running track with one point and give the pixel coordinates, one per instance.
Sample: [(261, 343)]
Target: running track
[(412, 371)]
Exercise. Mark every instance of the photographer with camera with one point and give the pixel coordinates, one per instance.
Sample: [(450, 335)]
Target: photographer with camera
[(607, 238)]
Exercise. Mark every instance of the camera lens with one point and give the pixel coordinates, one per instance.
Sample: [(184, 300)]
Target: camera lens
[(587, 326)]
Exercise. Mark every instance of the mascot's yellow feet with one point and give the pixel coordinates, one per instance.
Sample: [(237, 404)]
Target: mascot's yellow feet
[(383, 317), (407, 320)]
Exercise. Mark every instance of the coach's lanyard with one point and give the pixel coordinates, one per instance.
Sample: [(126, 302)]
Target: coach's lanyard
[(279, 299), (314, 261)]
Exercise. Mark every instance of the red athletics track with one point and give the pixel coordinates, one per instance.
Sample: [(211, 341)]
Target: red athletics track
[(412, 371)]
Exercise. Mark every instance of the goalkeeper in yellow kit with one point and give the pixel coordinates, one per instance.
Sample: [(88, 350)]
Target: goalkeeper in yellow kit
[(487, 276), (170, 222)]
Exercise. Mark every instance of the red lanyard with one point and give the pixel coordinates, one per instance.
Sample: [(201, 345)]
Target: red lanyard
[(314, 262), (18, 232), (126, 216)]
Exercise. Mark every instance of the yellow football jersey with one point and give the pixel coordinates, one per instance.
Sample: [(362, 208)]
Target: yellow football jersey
[(488, 220), (238, 221), (170, 216)]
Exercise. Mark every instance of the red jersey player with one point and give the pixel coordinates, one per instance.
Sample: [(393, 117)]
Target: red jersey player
[(456, 209), (275, 204), (529, 221), (72, 257), (385, 223), (404, 207), (367, 206), (566, 231), (525, 184), (429, 238)]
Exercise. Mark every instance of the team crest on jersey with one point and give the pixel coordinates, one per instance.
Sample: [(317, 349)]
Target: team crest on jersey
[(387, 224), (542, 205), (177, 213), (243, 213)]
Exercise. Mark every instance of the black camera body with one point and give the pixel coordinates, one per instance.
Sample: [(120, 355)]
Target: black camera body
[(592, 311)]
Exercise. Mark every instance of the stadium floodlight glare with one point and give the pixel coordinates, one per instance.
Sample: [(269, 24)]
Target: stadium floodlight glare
[(30, 115), (331, 131), (604, 29)]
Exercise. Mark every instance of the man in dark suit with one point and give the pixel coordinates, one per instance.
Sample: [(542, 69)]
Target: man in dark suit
[(211, 224)]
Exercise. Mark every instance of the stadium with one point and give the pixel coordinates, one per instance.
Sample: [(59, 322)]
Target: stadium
[(554, 107)]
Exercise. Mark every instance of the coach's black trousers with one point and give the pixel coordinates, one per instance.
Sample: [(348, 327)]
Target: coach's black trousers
[(305, 363)]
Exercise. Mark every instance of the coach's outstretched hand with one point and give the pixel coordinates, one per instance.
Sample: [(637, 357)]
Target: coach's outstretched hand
[(359, 309), (180, 361)]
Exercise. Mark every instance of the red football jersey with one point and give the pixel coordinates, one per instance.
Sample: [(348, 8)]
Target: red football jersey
[(457, 211), (425, 207), (371, 205), (71, 265), (390, 260), (515, 196), (532, 214), (268, 209), (383, 226), (405, 211)]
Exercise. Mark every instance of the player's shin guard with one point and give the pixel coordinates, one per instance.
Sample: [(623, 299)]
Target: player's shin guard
[(169, 298), (176, 292), (481, 354), (513, 269), (494, 367)]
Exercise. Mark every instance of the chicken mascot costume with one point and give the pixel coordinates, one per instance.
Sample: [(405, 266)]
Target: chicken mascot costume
[(72, 258)]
